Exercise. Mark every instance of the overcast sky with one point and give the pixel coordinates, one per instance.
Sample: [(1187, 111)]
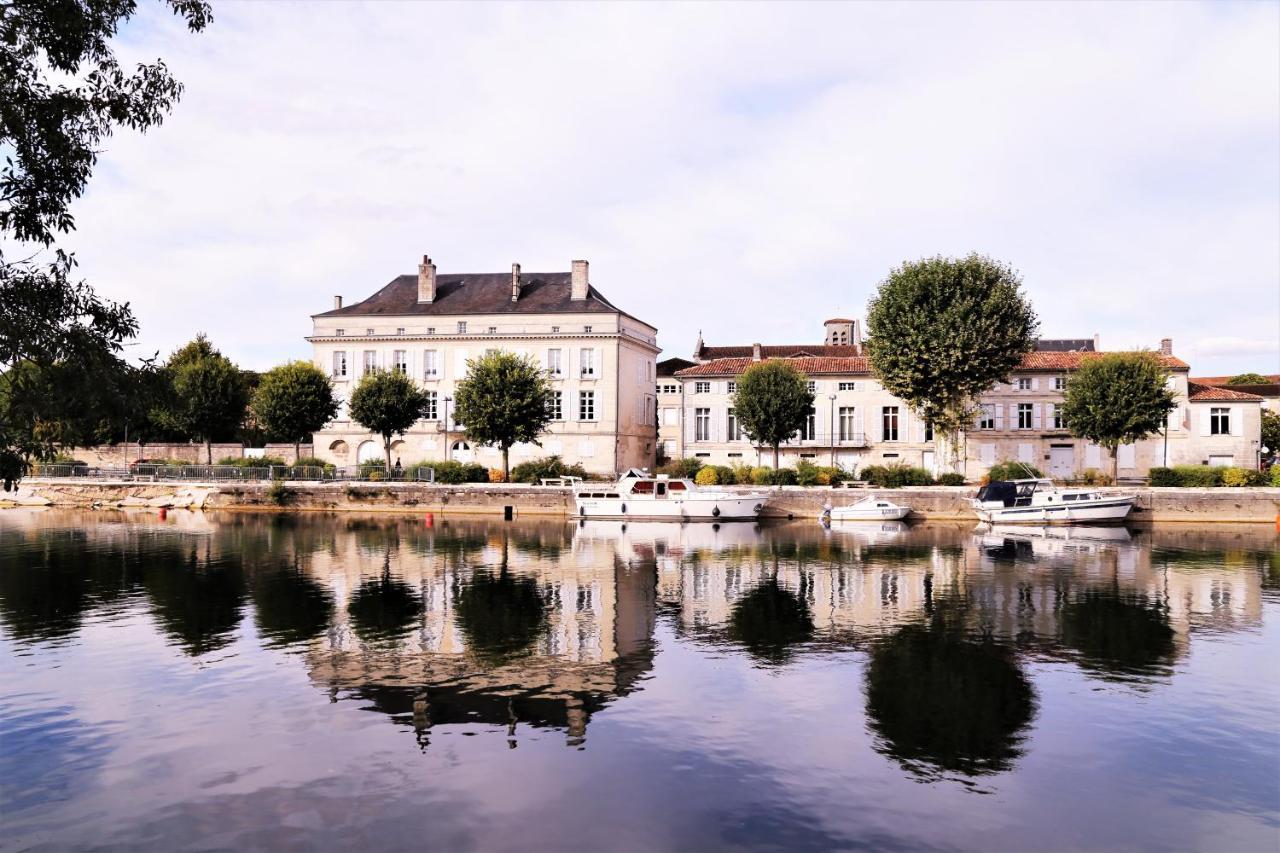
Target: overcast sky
[(744, 169)]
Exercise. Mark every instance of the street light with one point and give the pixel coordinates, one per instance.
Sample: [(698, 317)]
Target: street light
[(447, 401), (832, 398)]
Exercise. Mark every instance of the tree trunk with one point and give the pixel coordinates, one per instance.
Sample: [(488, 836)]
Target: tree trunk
[(775, 457), (506, 466), (1115, 465), (386, 446), (297, 452), (208, 451)]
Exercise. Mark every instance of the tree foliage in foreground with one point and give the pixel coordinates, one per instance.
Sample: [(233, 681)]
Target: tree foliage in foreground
[(1118, 398), (387, 403), (294, 401), (943, 331), (209, 393), (62, 94), (502, 401), (772, 402)]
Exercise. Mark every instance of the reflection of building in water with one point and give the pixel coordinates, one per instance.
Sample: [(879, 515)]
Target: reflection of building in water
[(497, 624)]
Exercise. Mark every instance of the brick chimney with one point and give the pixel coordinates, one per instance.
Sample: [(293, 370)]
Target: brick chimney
[(426, 280), (578, 283), (337, 302), (1166, 346), (755, 352), (515, 282)]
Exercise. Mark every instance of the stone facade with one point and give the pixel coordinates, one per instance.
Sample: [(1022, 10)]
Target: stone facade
[(855, 422), (599, 359)]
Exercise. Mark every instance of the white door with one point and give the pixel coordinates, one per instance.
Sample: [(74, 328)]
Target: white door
[(929, 464), (1062, 461), (370, 451), (462, 452), (1221, 461)]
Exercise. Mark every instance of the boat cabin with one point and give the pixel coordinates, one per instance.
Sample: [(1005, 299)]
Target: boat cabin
[(637, 483), (1025, 493)]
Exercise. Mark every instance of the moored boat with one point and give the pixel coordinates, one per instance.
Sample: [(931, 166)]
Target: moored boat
[(1038, 501), (867, 509), (637, 495)]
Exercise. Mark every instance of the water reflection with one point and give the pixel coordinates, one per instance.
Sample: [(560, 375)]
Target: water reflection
[(952, 652)]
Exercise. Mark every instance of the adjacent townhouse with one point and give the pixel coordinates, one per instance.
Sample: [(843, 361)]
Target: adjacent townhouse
[(855, 422), (599, 359)]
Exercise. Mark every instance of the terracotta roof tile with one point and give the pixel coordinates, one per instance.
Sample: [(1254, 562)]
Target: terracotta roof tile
[(826, 366), (1073, 360), (1207, 394), (1272, 379)]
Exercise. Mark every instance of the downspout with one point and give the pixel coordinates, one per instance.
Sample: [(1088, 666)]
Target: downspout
[(617, 399)]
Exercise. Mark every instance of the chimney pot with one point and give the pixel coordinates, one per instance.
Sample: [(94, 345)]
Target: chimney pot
[(578, 281), (755, 352), (426, 280), (1166, 346), (515, 282), (337, 302)]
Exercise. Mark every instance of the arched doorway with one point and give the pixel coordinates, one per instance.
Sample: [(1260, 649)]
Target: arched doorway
[(339, 450), (462, 452), (369, 451)]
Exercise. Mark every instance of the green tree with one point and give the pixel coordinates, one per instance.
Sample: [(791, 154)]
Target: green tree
[(502, 401), (1271, 433), (293, 401), (1248, 379), (62, 94), (942, 331), (209, 396), (772, 402), (1118, 398), (387, 403)]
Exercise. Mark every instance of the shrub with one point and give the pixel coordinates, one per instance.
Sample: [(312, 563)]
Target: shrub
[(1165, 477), (742, 474), (371, 465), (725, 475), (545, 467), (682, 469), (806, 473), (247, 461), (313, 462), (951, 478), (1198, 475), (1093, 477), (896, 476), (279, 494), (830, 475), (65, 459), (1238, 477), (453, 472), (1010, 470), (1275, 475), (707, 477), (496, 475), (377, 475)]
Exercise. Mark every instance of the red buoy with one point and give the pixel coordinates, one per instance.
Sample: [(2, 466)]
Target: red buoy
[(429, 519), (164, 513)]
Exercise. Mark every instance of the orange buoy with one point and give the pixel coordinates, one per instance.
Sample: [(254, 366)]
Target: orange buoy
[(164, 513), (429, 519)]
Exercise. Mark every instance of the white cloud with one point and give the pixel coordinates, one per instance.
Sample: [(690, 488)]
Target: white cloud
[(746, 169)]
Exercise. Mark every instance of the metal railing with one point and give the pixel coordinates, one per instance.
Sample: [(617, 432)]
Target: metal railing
[(232, 473)]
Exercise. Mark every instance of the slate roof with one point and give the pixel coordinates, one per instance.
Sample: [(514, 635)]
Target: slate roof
[(861, 366), (1209, 394), (669, 366), (779, 351), (479, 293), (1065, 345)]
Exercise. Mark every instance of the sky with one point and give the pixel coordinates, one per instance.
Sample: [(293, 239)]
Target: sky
[(743, 170)]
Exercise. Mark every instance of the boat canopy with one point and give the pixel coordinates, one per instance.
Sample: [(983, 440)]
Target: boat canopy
[(999, 490)]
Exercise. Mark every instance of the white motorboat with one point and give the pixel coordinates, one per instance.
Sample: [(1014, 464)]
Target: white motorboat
[(867, 509), (1036, 501), (639, 496)]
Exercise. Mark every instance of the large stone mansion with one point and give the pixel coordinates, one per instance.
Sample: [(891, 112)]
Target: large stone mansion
[(855, 422), (600, 361)]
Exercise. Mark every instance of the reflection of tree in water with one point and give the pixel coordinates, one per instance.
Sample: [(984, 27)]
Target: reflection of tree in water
[(942, 702), (43, 593), (501, 614), (290, 607), (198, 603), (769, 620), (1117, 632), (384, 608)]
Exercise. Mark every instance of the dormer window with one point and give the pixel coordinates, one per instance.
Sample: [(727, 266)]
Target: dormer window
[(369, 332), (339, 332), (493, 330), (462, 327), (586, 329), (431, 330), (555, 330), (400, 330)]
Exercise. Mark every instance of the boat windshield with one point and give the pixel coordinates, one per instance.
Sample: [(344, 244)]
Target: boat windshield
[(642, 487), (676, 486)]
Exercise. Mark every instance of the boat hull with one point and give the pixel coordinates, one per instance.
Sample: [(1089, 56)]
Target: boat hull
[(678, 509), (1110, 511), (849, 514)]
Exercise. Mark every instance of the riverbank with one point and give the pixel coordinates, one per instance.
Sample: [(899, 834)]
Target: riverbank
[(1258, 505)]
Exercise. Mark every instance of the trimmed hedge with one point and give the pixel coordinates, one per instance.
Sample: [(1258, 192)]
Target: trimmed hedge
[(896, 476), (951, 478), (1010, 470), (451, 472), (1207, 476), (249, 461), (809, 474), (544, 467)]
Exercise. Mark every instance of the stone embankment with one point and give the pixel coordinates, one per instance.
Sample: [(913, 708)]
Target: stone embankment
[(934, 502)]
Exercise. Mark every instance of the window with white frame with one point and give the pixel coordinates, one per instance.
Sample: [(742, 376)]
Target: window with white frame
[(731, 387), (555, 405), (668, 388), (587, 359), (987, 418), (400, 361), (586, 329), (555, 330), (368, 333), (462, 327), (813, 387), (1026, 416), (400, 330), (847, 423), (734, 429), (889, 423), (702, 387), (809, 431), (928, 431), (701, 424), (586, 405), (1024, 383), (1059, 383), (848, 386), (340, 364), (493, 330), (431, 330), (430, 410), (430, 364), (339, 332), (370, 361), (555, 362), (1219, 421), (1059, 420)]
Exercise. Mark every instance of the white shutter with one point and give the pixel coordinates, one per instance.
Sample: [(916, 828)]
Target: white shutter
[(988, 454), (858, 424), (1237, 420), (877, 426), (1126, 456), (1092, 456), (999, 407), (1026, 453), (1037, 415), (1204, 419), (1035, 383), (459, 363)]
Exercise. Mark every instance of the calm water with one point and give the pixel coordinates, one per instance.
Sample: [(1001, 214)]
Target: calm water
[(279, 682)]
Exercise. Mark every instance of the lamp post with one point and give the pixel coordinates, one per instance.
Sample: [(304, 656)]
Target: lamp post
[(832, 398), (447, 401)]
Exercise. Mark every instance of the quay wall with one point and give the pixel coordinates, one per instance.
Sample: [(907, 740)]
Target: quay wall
[(1260, 505)]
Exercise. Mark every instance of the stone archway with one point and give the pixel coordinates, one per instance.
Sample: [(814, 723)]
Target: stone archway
[(369, 451), (339, 450)]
